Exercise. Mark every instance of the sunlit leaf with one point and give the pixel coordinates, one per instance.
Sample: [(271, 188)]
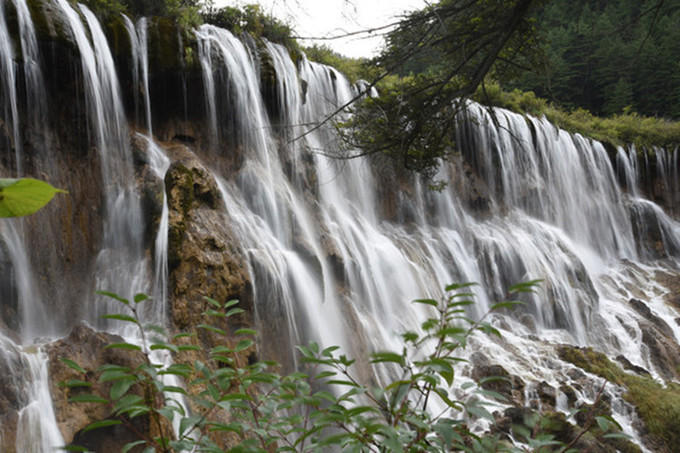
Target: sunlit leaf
[(24, 196)]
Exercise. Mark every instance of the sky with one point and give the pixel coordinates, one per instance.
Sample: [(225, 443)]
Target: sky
[(327, 18)]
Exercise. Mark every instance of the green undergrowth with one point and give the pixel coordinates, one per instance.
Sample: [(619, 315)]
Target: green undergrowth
[(622, 129), (657, 405), (247, 405)]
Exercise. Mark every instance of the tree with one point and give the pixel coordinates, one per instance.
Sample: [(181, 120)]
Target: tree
[(448, 48), (608, 56)]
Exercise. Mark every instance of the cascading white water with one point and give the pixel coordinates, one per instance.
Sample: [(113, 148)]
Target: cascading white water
[(35, 84), (565, 217), (259, 200), (9, 88), (121, 264), (324, 260), (37, 430), (140, 63)]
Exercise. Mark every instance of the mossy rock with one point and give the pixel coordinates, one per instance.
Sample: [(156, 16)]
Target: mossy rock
[(165, 52), (657, 406)]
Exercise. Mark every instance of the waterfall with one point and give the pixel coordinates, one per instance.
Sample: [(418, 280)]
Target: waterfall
[(261, 198), (140, 63), (120, 265), (9, 89), (336, 249), (35, 84), (37, 428)]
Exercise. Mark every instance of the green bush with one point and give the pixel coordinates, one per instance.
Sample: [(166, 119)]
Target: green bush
[(621, 129), (325, 407), (251, 19)]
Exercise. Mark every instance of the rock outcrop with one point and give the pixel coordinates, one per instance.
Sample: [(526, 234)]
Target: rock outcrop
[(86, 347), (204, 258)]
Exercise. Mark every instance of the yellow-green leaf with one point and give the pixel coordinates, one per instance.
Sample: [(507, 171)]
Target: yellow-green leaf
[(20, 197)]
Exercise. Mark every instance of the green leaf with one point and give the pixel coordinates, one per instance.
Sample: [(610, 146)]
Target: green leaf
[(132, 445), (120, 388), (231, 303), (126, 346), (212, 302), (183, 335), (606, 423), (212, 329), (432, 302), (457, 286), (115, 375), (526, 287), (389, 357), (235, 311), (174, 389), (167, 347), (127, 402), (113, 296), (124, 318), (75, 383), (140, 297), (479, 411), (443, 368), (20, 197), (617, 436), (243, 345), (246, 332), (189, 423), (101, 424), (71, 364), (507, 304), (88, 399)]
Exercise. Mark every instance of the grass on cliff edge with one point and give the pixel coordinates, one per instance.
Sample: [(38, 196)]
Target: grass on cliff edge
[(657, 406)]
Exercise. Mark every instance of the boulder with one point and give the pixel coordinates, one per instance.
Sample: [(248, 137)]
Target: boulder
[(86, 347), (204, 257), (497, 379)]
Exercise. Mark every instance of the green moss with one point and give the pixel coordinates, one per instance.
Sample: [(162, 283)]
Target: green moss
[(657, 406), (164, 46)]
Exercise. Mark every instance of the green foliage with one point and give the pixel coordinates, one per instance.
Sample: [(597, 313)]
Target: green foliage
[(185, 13), (444, 51), (106, 8), (24, 196), (353, 68), (251, 19), (622, 129), (606, 56), (324, 408)]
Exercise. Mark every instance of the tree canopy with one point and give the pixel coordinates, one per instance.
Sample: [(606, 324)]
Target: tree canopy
[(609, 56), (448, 50)]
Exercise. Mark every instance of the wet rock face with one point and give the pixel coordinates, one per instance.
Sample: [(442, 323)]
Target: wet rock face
[(86, 347), (497, 379), (11, 396), (658, 336), (203, 256)]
